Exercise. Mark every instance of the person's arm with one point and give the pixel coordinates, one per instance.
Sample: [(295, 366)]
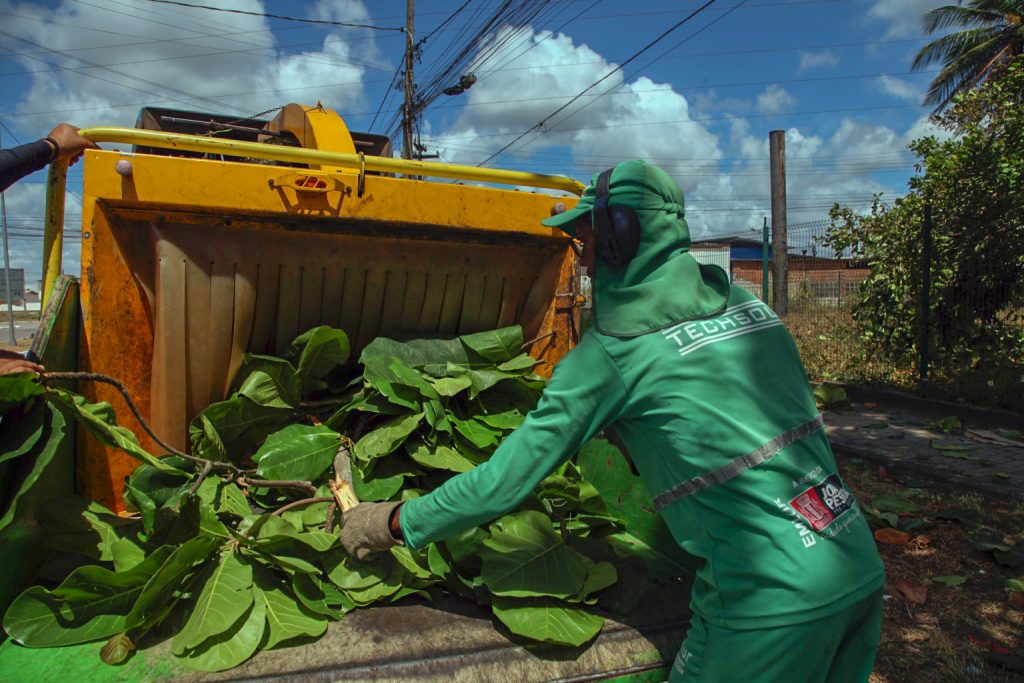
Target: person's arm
[(585, 393), (63, 142), (18, 162)]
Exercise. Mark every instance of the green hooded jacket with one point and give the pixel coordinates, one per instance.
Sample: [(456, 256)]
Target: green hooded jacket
[(705, 387)]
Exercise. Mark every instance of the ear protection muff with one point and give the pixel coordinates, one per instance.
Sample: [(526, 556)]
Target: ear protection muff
[(616, 228)]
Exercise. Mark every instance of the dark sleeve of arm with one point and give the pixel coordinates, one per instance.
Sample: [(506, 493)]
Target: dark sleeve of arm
[(585, 394), (18, 162)]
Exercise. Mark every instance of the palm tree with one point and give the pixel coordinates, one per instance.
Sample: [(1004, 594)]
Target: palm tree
[(992, 35)]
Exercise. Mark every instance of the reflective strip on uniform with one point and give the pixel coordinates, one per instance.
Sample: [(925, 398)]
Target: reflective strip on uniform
[(744, 462)]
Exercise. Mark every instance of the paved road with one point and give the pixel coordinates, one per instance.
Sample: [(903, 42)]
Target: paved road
[(903, 437), (23, 329)]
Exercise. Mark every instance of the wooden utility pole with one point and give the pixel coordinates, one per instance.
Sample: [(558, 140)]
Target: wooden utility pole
[(777, 150), (408, 113)]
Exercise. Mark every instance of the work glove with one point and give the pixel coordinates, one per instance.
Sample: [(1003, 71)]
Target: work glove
[(366, 529)]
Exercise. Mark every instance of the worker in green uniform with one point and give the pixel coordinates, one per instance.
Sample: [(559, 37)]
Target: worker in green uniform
[(705, 387)]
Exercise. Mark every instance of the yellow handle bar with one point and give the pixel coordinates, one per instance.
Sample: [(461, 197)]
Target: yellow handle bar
[(197, 143)]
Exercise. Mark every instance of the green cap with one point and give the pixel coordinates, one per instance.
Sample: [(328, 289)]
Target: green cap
[(635, 184)]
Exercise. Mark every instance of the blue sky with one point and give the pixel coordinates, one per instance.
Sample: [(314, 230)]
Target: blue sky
[(700, 103)]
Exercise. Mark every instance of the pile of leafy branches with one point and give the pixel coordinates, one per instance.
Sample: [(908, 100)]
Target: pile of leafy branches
[(232, 548)]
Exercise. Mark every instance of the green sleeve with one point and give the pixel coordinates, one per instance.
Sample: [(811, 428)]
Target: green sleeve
[(585, 394)]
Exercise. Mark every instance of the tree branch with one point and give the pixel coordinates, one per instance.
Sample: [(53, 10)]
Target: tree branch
[(107, 379), (278, 484), (299, 503)]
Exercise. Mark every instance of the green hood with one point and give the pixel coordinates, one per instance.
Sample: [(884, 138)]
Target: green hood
[(663, 284)]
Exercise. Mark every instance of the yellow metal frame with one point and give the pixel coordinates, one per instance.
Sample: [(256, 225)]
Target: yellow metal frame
[(53, 239)]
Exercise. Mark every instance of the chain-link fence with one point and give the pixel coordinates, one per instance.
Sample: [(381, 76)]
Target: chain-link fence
[(839, 343)]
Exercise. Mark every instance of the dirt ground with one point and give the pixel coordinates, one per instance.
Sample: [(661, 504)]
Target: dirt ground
[(954, 608)]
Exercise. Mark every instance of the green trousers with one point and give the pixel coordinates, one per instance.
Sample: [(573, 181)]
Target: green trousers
[(836, 649)]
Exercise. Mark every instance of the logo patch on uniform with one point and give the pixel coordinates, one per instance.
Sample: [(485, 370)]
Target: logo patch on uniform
[(822, 504)]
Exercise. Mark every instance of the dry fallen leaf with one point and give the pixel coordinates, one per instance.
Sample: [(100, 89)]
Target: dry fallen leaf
[(911, 590), (883, 473), (922, 540), (869, 405), (1017, 599), (891, 536)]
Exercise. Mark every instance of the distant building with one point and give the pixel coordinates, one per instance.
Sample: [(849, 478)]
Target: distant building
[(825, 279), (17, 277)]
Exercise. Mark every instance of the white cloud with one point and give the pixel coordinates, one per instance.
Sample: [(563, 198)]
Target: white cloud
[(725, 177), (191, 59), (924, 127), (638, 119), (811, 59), (900, 88), (774, 100), (902, 18), (188, 59)]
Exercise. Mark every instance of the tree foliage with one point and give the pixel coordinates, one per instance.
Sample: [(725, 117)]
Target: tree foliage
[(992, 36), (973, 183)]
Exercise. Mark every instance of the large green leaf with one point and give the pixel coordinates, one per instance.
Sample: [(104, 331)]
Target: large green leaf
[(321, 597), (149, 489), (477, 433), (77, 525), (450, 386), (350, 574), (315, 354), (233, 646), (385, 372), (497, 346), (226, 595), (441, 457), (378, 486), (98, 419), (604, 466), (387, 437), (523, 361), (301, 452), (480, 380), (428, 354), (287, 618), (162, 589), (240, 424), (56, 432), (92, 603), (22, 431), (547, 620), (525, 557), (509, 419), (16, 388), (269, 381)]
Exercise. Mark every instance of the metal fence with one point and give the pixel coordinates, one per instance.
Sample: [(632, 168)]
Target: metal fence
[(824, 292)]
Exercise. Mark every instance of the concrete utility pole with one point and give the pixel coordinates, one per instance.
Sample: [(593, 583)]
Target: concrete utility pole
[(408, 113), (7, 266), (777, 150)]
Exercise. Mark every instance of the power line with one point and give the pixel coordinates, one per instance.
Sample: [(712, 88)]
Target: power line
[(540, 124), (695, 120), (114, 71), (281, 16), (662, 55)]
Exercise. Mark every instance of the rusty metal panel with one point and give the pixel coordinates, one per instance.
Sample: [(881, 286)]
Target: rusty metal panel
[(184, 274)]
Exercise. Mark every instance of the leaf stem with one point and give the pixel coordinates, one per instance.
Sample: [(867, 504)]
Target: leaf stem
[(299, 503), (278, 484), (107, 379)]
